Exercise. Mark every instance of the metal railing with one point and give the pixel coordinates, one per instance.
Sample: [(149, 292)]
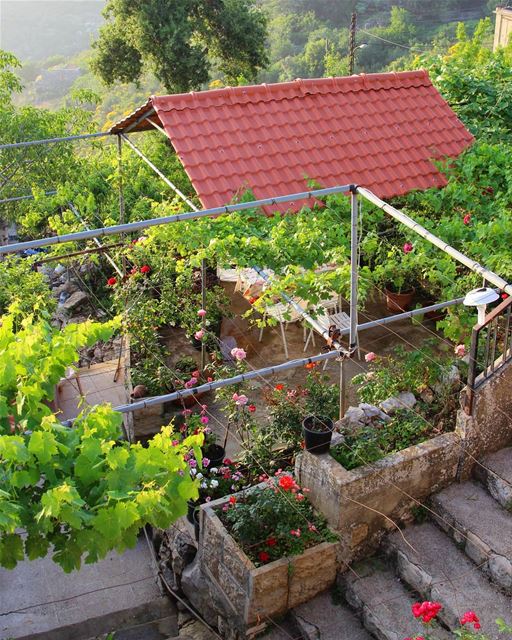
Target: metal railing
[(491, 348)]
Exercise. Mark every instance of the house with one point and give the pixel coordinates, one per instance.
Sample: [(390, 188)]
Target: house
[(503, 27)]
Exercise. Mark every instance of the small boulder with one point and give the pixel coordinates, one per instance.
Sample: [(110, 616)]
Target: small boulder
[(404, 400), (75, 300)]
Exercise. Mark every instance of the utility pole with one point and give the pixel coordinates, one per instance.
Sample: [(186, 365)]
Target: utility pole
[(352, 43)]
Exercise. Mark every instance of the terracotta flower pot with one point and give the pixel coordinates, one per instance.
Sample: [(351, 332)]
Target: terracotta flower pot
[(399, 302)]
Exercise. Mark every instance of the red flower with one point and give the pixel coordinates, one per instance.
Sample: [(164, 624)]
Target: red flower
[(263, 556), (407, 248), (227, 461), (271, 542), (279, 387), (145, 269), (467, 218), (286, 482), (111, 282), (504, 296), (471, 618), (310, 365), (253, 299), (252, 408), (209, 379), (232, 500), (427, 610), (488, 191)]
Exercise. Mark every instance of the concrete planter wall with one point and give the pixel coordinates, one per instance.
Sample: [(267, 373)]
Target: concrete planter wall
[(257, 593), (363, 504)]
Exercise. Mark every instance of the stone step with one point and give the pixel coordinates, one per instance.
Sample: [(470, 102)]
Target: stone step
[(480, 526), (431, 564), (284, 629), (495, 473), (325, 618), (384, 603)]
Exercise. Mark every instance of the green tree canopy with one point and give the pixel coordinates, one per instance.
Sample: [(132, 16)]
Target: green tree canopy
[(180, 41)]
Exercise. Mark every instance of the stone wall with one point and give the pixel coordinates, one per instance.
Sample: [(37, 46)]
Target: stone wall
[(258, 593), (363, 504), (489, 428)]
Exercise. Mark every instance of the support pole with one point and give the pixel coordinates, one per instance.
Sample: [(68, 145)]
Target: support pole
[(354, 244), (121, 191), (352, 43), (159, 173), (203, 319)]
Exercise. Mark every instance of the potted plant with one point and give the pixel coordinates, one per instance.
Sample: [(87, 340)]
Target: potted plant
[(396, 269), (321, 407)]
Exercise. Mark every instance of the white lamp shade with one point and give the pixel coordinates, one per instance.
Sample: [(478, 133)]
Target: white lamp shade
[(483, 295)]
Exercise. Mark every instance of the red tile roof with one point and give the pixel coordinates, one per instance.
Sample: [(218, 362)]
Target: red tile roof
[(381, 131)]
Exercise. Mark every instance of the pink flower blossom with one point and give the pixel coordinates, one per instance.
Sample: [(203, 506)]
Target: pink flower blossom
[(201, 313), (460, 350), (467, 218), (199, 335), (295, 532), (206, 462), (186, 412), (205, 419), (240, 400), (408, 247), (370, 357), (192, 463), (190, 383), (238, 354)]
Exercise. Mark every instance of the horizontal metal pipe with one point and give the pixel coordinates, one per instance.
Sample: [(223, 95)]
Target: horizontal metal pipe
[(218, 384), (268, 371), (475, 266), (27, 197), (154, 222), (159, 173), (31, 143)]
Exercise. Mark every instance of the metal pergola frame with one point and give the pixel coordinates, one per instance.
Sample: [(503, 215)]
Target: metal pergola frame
[(354, 190)]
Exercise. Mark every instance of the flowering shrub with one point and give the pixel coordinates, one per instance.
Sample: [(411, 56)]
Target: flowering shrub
[(217, 482), (275, 520)]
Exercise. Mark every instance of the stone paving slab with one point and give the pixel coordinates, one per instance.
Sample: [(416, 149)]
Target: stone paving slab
[(39, 600), (496, 473), (480, 526), (429, 562), (323, 619), (385, 605)]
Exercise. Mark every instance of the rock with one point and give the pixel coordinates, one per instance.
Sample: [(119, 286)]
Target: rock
[(449, 380), (75, 300), (196, 630), (353, 419), (405, 400), (194, 584), (371, 412)]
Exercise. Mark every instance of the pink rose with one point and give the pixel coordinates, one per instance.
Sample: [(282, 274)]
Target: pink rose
[(201, 313), (467, 218), (460, 350), (238, 354), (205, 419), (199, 334), (370, 357), (408, 247)]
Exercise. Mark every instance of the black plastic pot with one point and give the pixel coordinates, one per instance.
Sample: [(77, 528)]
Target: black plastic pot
[(215, 454), (191, 509), (317, 434), (197, 528)]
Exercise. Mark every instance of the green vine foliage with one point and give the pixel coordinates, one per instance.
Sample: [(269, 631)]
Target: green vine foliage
[(77, 492)]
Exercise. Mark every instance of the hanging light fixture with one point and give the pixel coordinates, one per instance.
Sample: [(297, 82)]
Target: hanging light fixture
[(480, 298)]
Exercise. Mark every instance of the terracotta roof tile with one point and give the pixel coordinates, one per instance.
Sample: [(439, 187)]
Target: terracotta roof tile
[(380, 130)]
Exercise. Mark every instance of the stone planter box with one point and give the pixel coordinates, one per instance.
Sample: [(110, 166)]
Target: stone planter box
[(365, 503), (257, 593)]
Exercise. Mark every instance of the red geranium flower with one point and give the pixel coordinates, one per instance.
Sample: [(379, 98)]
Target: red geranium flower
[(232, 500), (263, 556), (279, 387), (145, 269), (111, 282), (252, 408), (286, 482), (271, 542), (310, 365), (471, 618), (427, 610)]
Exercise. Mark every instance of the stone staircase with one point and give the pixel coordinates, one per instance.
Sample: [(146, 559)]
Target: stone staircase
[(462, 558)]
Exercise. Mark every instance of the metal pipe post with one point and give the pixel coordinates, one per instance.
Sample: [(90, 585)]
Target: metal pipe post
[(354, 244), (31, 143)]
